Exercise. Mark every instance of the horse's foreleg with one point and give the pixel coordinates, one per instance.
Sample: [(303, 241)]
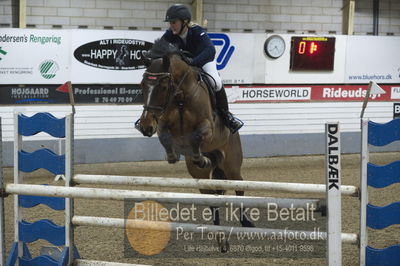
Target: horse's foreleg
[(165, 138), (197, 158)]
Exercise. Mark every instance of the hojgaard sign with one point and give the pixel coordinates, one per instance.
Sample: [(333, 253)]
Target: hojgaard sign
[(83, 94)]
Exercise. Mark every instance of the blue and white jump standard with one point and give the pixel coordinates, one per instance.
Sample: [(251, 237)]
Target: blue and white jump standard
[(378, 177), (26, 232)]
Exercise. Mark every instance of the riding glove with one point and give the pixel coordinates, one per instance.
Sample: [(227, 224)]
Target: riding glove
[(188, 60)]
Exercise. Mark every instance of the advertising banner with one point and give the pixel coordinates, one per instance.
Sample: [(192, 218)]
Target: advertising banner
[(116, 56), (109, 57), (30, 56), (107, 67), (132, 94), (235, 57), (327, 93), (83, 94), (372, 58), (34, 56)]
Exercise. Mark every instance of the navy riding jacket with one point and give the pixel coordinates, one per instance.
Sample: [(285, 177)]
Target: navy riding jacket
[(197, 43)]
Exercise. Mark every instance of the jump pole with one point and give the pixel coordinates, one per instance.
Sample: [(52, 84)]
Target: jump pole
[(162, 197), (80, 262), (297, 188), (189, 227)]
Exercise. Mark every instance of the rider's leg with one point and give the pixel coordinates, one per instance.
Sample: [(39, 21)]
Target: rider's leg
[(230, 121), (233, 123)]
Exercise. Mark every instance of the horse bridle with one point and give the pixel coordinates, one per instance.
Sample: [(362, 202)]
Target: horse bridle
[(171, 89), (159, 76)]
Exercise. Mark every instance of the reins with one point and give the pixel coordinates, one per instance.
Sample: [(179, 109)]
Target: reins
[(158, 76), (171, 94)]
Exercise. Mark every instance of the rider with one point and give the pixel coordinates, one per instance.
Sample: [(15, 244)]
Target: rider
[(190, 37)]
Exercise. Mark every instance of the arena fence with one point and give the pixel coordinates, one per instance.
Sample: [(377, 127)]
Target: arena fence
[(61, 198)]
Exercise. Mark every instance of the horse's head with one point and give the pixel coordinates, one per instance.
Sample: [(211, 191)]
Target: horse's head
[(157, 89), (158, 83)]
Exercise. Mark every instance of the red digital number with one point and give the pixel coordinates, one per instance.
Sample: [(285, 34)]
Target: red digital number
[(302, 47)]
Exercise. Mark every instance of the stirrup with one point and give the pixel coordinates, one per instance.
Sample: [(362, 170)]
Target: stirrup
[(235, 124), (231, 122)]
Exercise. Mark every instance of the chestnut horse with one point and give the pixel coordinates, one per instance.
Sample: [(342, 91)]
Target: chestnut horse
[(177, 106)]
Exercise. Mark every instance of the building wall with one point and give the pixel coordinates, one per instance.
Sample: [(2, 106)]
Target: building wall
[(282, 16)]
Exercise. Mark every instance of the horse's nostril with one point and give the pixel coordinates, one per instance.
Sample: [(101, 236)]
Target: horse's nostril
[(149, 132)]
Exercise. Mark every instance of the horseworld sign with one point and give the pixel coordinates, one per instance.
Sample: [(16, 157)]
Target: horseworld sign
[(113, 54)]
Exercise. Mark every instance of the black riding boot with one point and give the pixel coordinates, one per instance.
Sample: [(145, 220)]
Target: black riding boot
[(231, 122)]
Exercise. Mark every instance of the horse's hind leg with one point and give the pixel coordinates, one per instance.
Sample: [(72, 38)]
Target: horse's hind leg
[(231, 167), (221, 236), (206, 173), (244, 220)]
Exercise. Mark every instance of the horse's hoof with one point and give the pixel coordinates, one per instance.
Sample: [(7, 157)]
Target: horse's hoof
[(203, 163), (247, 223), (173, 158), (222, 242), (224, 246)]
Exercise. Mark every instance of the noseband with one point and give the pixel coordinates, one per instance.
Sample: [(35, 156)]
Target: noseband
[(171, 93), (159, 77)]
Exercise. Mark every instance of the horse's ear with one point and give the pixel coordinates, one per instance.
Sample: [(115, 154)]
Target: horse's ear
[(166, 61), (146, 60)]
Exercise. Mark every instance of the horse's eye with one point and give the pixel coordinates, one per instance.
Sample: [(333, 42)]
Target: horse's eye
[(164, 82)]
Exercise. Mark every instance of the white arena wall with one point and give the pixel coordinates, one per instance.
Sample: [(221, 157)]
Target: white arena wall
[(107, 133)]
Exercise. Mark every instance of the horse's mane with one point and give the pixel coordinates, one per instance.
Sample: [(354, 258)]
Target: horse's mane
[(162, 48)]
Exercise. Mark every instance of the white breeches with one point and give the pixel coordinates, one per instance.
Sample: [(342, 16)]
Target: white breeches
[(211, 69)]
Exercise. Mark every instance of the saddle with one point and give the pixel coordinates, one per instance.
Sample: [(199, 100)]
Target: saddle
[(207, 79)]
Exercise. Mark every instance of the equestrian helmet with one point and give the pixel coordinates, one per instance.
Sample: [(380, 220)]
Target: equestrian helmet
[(176, 12)]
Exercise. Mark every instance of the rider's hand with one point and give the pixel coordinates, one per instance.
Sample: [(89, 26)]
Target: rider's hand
[(189, 60)]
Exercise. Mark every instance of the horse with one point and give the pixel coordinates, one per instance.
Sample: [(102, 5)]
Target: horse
[(177, 106)]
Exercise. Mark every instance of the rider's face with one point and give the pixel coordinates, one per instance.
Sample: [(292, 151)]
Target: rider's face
[(175, 26)]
